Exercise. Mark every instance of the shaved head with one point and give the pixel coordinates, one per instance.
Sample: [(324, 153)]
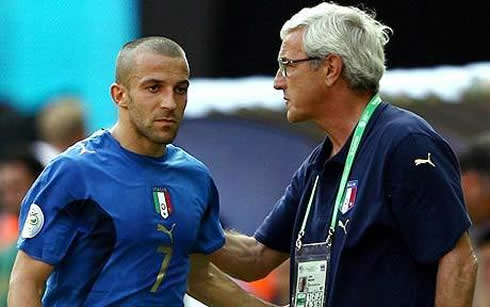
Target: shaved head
[(155, 44)]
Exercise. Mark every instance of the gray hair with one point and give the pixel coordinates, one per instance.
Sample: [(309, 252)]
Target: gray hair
[(353, 34), (157, 44)]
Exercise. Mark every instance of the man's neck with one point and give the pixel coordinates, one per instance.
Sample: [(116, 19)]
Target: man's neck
[(129, 140), (342, 117)]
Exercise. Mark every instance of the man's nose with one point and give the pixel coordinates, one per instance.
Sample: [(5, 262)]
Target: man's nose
[(168, 101), (279, 81)]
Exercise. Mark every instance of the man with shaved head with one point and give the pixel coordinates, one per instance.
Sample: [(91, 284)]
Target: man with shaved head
[(125, 218)]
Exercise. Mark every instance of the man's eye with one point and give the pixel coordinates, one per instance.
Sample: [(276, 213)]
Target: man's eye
[(181, 90), (153, 88)]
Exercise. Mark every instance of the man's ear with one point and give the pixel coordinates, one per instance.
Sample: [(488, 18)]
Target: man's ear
[(332, 69), (118, 94)]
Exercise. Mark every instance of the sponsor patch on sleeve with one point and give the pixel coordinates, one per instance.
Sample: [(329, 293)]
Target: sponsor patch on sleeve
[(34, 222)]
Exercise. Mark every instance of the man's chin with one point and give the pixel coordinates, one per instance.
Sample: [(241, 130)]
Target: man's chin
[(167, 139), (164, 136), (292, 118)]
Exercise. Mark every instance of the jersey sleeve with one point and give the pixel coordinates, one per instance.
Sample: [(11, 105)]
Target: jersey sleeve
[(211, 236), (276, 231), (424, 186), (46, 228)]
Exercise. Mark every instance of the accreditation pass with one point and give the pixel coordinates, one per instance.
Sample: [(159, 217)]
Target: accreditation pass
[(310, 285)]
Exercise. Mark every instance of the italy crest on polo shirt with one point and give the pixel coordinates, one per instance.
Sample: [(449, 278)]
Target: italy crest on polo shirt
[(162, 202), (350, 196)]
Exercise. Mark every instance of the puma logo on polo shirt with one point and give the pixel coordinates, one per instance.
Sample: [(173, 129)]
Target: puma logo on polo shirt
[(423, 161), (344, 226)]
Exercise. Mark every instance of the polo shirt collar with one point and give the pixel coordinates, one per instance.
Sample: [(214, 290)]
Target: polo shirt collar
[(326, 146)]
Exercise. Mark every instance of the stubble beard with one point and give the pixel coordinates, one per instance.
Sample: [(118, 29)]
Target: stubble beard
[(156, 135), (145, 127)]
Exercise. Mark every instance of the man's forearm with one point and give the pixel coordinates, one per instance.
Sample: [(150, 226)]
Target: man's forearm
[(219, 290), (239, 257), (456, 276)]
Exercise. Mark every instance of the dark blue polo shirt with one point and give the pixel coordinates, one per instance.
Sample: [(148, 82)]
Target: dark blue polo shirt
[(404, 211)]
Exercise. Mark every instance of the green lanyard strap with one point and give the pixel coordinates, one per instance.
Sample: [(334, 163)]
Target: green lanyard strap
[(354, 145)]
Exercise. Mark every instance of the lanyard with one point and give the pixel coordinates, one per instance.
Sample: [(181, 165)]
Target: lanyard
[(356, 140)]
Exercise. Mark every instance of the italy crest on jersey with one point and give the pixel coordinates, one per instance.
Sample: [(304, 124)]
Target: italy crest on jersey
[(350, 196), (162, 202)]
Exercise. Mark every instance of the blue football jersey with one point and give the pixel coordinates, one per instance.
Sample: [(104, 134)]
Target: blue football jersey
[(118, 226)]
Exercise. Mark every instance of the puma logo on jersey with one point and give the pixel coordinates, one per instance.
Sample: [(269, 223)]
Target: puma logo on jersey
[(344, 226), (164, 229), (85, 150), (423, 161)]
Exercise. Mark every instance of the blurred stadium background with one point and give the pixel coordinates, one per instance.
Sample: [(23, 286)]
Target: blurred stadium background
[(438, 66)]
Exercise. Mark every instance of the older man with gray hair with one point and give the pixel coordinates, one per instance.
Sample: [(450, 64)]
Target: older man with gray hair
[(375, 215)]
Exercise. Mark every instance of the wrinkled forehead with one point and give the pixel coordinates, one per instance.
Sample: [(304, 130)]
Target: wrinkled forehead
[(292, 45)]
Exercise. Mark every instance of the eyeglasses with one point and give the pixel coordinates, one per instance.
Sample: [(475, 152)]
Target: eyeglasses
[(284, 63)]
